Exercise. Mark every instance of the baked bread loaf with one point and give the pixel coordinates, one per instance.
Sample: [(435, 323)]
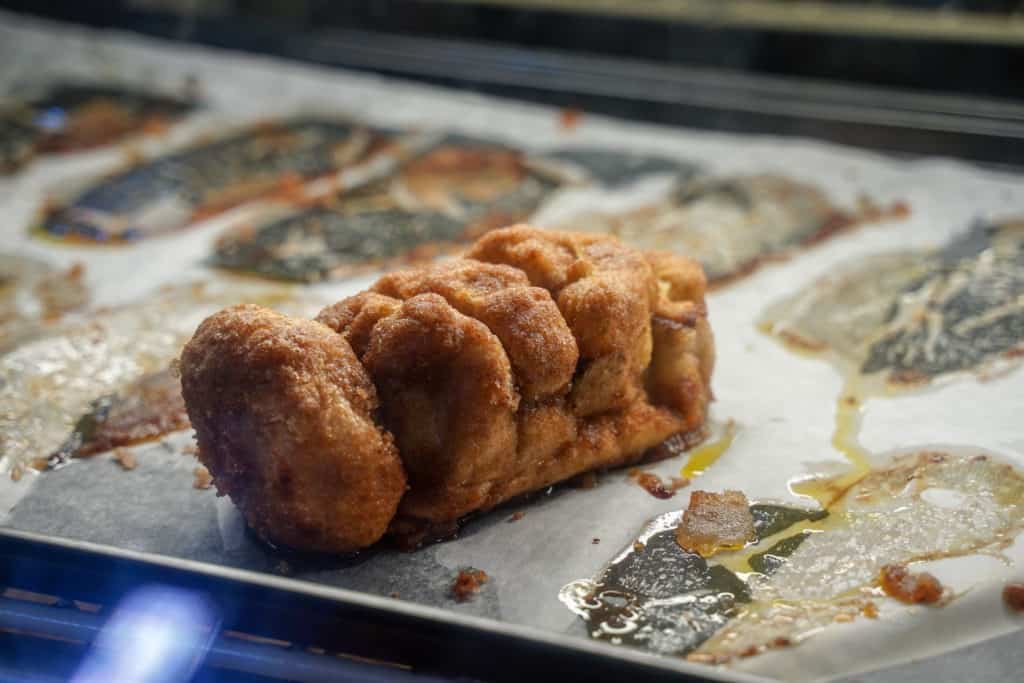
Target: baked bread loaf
[(449, 388)]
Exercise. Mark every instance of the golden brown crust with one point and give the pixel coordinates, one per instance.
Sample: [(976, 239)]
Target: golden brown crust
[(545, 257), (524, 318), (282, 412), (683, 354), (539, 357), (609, 440), (603, 289), (447, 394), (354, 317), (680, 279)]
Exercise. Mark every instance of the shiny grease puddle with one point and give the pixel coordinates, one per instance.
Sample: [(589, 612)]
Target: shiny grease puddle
[(656, 595), (891, 323), (807, 568)]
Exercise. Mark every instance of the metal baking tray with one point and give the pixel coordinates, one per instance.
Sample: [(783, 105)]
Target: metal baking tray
[(149, 525)]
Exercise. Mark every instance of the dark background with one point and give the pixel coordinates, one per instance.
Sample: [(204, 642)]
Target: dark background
[(949, 64)]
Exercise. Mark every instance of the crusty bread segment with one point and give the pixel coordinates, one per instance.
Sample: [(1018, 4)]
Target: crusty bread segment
[(283, 413), (538, 356)]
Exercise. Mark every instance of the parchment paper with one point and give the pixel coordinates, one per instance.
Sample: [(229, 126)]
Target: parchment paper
[(783, 403)]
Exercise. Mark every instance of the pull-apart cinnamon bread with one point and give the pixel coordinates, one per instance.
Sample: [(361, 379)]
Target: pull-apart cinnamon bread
[(449, 388)]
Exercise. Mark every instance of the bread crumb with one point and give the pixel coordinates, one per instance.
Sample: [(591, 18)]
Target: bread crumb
[(202, 478), (870, 610), (516, 516), (914, 589), (653, 484), (708, 658), (468, 583), (1013, 596), (126, 459), (569, 118)]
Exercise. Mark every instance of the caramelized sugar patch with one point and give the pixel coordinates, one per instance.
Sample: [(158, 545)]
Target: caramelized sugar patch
[(715, 521)]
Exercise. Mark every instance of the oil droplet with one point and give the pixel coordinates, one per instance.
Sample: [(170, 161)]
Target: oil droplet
[(738, 562), (705, 456), (849, 409)]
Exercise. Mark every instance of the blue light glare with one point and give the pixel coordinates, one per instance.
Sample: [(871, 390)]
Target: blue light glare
[(156, 634)]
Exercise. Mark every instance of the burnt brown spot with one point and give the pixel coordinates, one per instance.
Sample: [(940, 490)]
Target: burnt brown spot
[(1013, 596), (654, 485), (898, 582), (468, 583)]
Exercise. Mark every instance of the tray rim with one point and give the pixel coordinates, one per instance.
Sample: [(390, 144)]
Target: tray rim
[(414, 614)]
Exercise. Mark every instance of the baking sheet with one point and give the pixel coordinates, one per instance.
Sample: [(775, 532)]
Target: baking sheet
[(784, 404)]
